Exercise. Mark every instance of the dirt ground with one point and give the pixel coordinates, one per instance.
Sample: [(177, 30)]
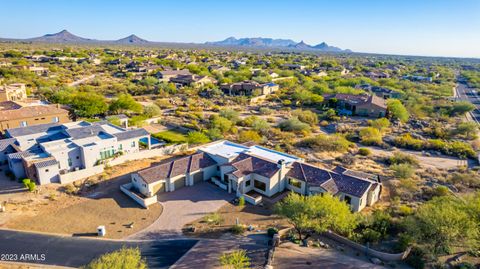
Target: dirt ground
[(260, 218), (51, 210)]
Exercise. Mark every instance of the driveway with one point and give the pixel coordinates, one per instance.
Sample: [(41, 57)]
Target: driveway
[(183, 206), (75, 252)]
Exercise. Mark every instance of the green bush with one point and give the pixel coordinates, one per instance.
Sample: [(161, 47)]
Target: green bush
[(213, 219), (121, 259), (370, 136), (196, 137), (237, 259), (324, 142), (272, 231), (238, 229), (294, 125), (241, 201), (441, 191), (404, 210), (29, 184), (403, 170), (371, 236), (399, 158), (364, 151)]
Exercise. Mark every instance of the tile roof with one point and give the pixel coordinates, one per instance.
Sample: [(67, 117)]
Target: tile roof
[(34, 129), (31, 111), (173, 168), (331, 181), (131, 134), (246, 164), (5, 143), (87, 131), (46, 163)]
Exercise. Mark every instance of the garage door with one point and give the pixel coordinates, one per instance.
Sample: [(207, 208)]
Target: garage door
[(179, 183), (198, 177), (160, 187)]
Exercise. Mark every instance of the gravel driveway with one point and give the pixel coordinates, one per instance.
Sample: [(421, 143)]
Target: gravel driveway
[(184, 206)]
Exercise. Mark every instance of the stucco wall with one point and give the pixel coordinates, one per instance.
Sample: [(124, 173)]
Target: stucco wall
[(48, 174), (80, 174)]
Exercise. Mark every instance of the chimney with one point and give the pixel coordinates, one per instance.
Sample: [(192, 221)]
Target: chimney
[(281, 163)]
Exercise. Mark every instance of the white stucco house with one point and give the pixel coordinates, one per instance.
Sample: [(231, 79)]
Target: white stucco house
[(256, 173), (45, 152)]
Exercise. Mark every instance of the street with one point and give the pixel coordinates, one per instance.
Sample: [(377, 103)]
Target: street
[(74, 252), (465, 93)]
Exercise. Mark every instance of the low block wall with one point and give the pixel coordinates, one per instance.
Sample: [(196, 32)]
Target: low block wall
[(253, 200), (80, 174), (144, 202), (143, 154), (378, 254)]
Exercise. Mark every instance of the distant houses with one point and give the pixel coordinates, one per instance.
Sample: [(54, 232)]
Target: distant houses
[(249, 88), (13, 92)]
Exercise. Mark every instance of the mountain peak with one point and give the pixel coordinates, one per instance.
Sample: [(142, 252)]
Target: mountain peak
[(63, 36), (132, 39)]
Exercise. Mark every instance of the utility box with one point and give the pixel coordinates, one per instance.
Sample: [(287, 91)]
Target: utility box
[(101, 231)]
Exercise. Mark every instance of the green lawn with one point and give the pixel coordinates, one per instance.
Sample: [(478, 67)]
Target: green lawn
[(171, 136)]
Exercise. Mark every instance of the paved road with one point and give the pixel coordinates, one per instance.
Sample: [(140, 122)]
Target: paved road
[(75, 252), (469, 94)]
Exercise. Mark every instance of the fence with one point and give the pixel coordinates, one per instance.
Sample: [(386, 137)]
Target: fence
[(80, 174), (368, 251), (145, 202), (143, 154)]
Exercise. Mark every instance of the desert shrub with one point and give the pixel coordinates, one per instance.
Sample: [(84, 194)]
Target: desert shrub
[(213, 219), (397, 110), (29, 184), (469, 179), (400, 157), (441, 191), (272, 231), (241, 201), (238, 229), (324, 142), (462, 107), (403, 170), (265, 111), (404, 210), (230, 114), (294, 125), (249, 136), (407, 141), (120, 259), (221, 123), (416, 258), (237, 259), (306, 116), (369, 235), (370, 136), (466, 129), (364, 151), (70, 189), (380, 124)]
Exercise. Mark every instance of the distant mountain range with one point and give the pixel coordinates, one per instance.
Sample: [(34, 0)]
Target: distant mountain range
[(65, 37), (278, 43)]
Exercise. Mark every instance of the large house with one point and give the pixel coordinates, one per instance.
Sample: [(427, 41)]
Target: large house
[(16, 114), (256, 173), (45, 152), (361, 105), (249, 88), (166, 75), (192, 80), (13, 92)]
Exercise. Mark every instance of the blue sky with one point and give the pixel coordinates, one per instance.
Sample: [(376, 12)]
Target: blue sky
[(414, 27)]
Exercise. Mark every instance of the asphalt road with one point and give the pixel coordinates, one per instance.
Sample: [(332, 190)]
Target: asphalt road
[(469, 94), (75, 252)]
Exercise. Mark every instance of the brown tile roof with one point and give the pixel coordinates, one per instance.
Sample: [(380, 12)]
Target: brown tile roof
[(246, 164), (176, 167), (30, 112), (331, 181)]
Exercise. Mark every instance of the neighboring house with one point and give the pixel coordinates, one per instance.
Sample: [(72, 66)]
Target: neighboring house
[(256, 173), (249, 88), (418, 78), (166, 75), (293, 66), (13, 115), (382, 92), (39, 70), (361, 105), (218, 68), (13, 92), (44, 152), (192, 80)]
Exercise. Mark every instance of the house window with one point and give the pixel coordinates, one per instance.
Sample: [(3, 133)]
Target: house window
[(144, 185), (260, 185), (120, 147), (133, 144), (55, 119), (69, 162), (23, 124), (46, 170), (248, 183), (295, 183), (348, 199), (78, 157), (134, 179)]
